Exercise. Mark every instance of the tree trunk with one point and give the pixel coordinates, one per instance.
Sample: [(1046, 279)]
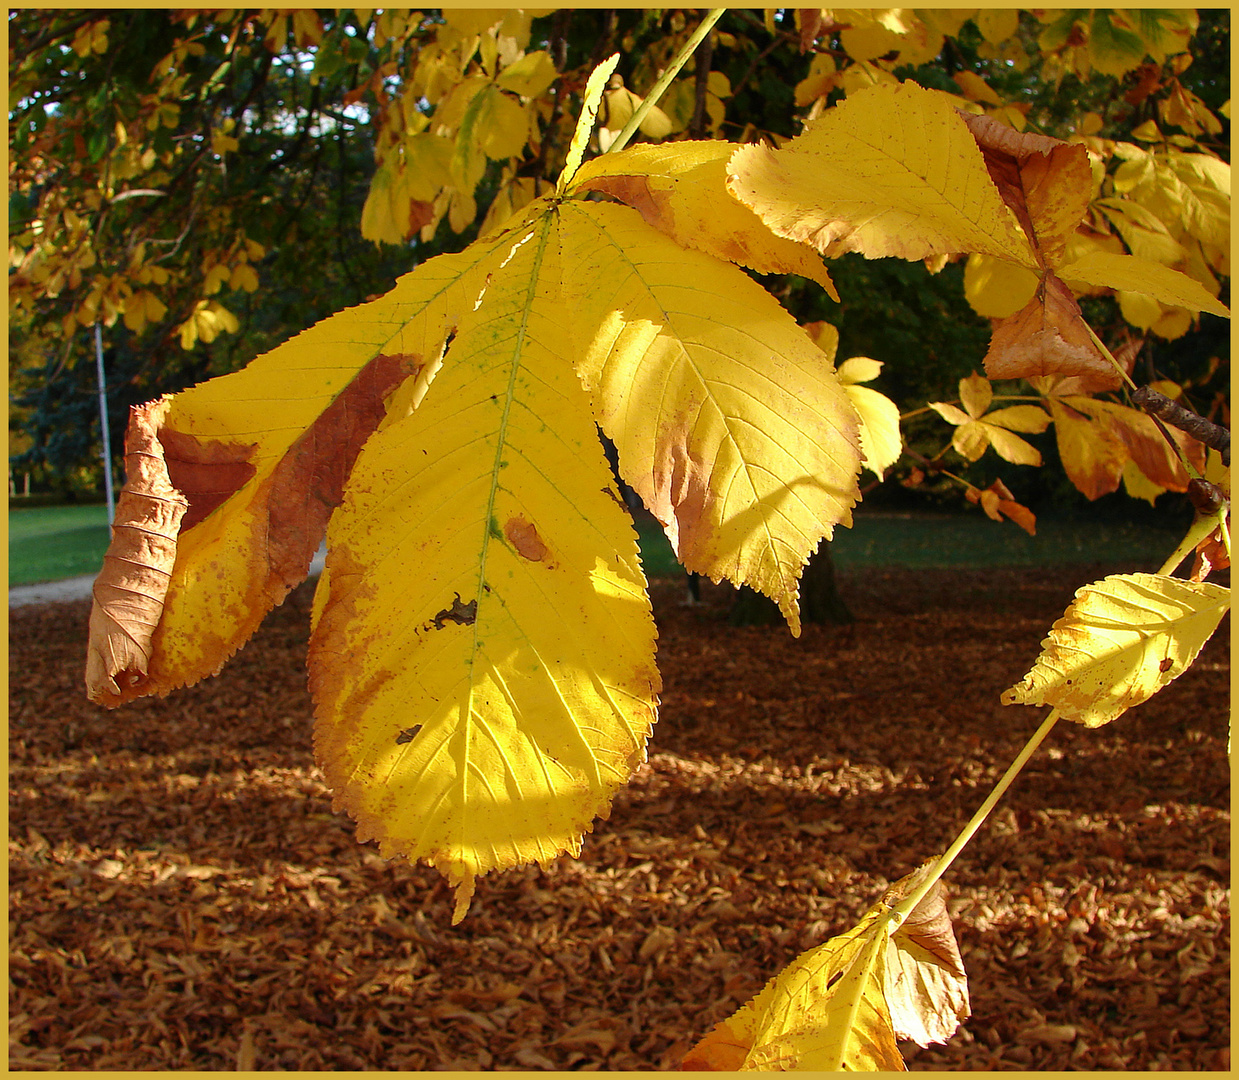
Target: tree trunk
[(820, 601)]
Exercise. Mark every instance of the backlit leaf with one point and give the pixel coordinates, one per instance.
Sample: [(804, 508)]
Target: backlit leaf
[(977, 429), (503, 697), (1120, 641), (1142, 276), (482, 648), (843, 1004), (672, 367), (892, 170), (666, 184)]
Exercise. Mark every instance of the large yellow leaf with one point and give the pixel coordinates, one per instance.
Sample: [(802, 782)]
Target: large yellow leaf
[(893, 170), (1120, 641), (730, 424), (485, 711), (843, 1004), (482, 651)]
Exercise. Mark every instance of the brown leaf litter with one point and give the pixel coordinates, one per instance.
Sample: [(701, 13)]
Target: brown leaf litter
[(182, 897)]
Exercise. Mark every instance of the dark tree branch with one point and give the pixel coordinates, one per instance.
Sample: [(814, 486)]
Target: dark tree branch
[(1205, 431), (704, 57)]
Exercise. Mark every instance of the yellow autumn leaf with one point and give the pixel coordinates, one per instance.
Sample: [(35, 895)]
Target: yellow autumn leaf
[(997, 24), (521, 630), (666, 184), (594, 87), (1134, 274), (1119, 642), (1092, 455), (1142, 231), (498, 122), (482, 650), (671, 367), (977, 429), (243, 277), (976, 88), (215, 279), (618, 105), (530, 76), (843, 1004), (222, 143), (880, 440), (378, 220), (996, 288), (893, 170)]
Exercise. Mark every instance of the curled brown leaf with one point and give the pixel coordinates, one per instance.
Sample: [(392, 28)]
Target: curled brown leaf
[(129, 591)]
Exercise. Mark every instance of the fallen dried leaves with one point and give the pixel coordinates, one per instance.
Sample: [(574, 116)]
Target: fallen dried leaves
[(182, 897)]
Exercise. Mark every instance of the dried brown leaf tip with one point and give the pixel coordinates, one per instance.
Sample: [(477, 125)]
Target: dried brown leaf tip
[(1046, 183), (129, 592), (1048, 337)]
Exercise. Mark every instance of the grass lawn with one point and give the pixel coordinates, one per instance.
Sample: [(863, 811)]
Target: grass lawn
[(47, 543), (53, 542)]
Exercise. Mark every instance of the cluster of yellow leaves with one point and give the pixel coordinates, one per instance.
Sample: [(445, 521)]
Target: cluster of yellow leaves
[(470, 94), (467, 94), (1112, 42), (1169, 203), (842, 1005), (481, 715), (876, 41), (896, 171), (1100, 442)]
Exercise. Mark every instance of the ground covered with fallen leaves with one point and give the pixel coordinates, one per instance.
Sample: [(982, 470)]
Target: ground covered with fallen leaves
[(182, 896)]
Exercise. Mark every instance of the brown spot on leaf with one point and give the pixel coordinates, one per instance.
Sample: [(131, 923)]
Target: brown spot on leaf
[(523, 536), (308, 483), (1165, 665), (408, 734), (464, 614), (206, 473)]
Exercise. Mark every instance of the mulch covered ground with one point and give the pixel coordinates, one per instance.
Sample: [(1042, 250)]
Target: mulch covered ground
[(183, 897)]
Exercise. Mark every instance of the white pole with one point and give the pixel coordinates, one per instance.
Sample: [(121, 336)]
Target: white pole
[(103, 423)]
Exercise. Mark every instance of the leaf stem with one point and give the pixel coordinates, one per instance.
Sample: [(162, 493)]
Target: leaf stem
[(905, 907), (1200, 528), (1107, 354), (660, 87)]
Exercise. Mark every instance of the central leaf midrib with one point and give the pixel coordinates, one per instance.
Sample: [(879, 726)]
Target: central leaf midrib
[(480, 594)]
